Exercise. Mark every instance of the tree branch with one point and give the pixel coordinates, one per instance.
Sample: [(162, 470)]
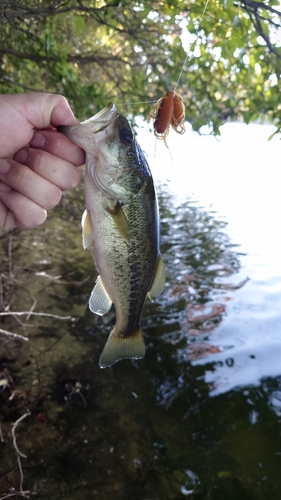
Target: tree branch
[(251, 8), (72, 58), (259, 5)]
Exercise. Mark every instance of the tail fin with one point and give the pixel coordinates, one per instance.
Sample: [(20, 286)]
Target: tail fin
[(118, 347)]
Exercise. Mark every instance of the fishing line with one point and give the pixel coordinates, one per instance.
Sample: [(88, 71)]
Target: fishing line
[(181, 71), (196, 33), (136, 103), (169, 110)]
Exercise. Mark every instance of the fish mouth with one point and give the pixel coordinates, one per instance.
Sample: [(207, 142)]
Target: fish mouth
[(103, 118), (95, 124)]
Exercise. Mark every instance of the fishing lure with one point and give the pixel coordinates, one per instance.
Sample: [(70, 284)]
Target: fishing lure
[(169, 111)]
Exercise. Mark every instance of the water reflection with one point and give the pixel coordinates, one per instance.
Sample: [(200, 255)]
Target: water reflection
[(203, 274)]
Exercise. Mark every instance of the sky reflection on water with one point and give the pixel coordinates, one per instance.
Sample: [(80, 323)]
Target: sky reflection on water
[(236, 179)]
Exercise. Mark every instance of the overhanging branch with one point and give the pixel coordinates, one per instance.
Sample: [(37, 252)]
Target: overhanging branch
[(257, 12)]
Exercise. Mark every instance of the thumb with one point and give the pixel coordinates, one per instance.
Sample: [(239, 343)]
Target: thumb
[(42, 110), (20, 114)]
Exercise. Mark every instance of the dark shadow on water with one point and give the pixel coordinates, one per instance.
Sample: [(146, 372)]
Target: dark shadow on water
[(147, 429)]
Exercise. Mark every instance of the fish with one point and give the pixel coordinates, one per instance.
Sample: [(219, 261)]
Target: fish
[(121, 228)]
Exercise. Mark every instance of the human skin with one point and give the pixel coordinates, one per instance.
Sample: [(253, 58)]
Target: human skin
[(36, 162)]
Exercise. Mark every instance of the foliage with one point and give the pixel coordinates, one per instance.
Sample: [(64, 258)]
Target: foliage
[(95, 51)]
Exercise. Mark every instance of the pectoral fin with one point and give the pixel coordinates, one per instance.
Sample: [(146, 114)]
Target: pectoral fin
[(120, 220), (159, 279), (86, 229), (99, 302)]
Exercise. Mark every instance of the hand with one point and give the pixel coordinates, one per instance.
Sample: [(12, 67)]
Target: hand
[(36, 162)]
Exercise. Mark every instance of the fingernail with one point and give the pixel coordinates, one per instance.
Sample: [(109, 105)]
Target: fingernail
[(21, 156), (4, 166), (4, 188), (38, 140)]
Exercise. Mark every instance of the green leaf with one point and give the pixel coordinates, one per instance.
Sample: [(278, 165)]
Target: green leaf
[(236, 21), (47, 43), (277, 131), (80, 25), (132, 52)]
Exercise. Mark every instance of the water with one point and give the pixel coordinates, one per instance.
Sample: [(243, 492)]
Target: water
[(199, 417), (237, 178)]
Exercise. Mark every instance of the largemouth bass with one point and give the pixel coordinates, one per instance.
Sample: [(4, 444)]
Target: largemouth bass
[(121, 227)]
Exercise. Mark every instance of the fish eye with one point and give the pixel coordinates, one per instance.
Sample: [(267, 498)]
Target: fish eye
[(126, 136)]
